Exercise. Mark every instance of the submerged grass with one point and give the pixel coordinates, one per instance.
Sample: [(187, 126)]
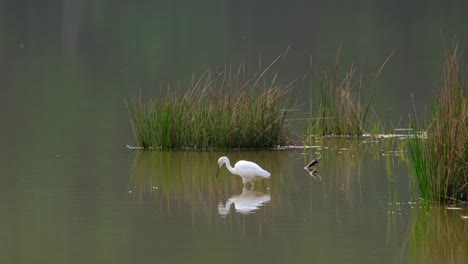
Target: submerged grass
[(337, 107), (440, 160), (223, 110)]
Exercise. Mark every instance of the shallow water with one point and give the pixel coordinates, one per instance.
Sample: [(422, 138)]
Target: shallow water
[(71, 192), (168, 206)]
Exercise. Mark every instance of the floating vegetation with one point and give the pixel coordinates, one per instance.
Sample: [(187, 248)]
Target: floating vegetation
[(224, 110), (454, 208), (337, 107), (440, 160)]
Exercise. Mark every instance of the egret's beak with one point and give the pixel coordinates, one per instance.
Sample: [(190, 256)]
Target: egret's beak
[(217, 173)]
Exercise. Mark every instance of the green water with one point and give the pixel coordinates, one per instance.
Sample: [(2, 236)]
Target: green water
[(168, 207), (71, 192)]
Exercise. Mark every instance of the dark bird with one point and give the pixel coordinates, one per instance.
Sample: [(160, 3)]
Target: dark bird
[(311, 169), (312, 163)]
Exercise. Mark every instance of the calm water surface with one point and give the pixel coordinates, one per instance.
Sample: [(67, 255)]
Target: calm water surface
[(71, 192), (168, 207)]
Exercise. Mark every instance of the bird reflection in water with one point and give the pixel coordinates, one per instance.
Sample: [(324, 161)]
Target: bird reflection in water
[(245, 203)]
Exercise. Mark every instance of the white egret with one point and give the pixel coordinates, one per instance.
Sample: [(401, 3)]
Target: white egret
[(248, 170)]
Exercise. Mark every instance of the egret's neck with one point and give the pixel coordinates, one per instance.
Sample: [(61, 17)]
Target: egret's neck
[(229, 167)]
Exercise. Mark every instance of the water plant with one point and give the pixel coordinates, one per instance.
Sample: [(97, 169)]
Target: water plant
[(337, 107), (226, 109), (440, 160)]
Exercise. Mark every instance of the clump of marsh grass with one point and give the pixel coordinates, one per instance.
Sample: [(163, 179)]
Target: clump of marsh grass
[(227, 109), (440, 160), (337, 107)]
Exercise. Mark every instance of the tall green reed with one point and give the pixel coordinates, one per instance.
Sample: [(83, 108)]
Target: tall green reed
[(440, 160), (227, 109), (337, 106)]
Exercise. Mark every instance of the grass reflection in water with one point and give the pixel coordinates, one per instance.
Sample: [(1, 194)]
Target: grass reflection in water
[(185, 181), (438, 235)]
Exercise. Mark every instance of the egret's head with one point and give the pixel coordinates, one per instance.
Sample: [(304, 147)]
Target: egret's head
[(222, 160)]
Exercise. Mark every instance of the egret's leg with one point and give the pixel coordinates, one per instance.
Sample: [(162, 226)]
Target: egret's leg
[(251, 188)]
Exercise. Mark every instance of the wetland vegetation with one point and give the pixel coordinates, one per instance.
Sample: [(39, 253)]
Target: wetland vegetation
[(226, 109), (232, 109), (337, 103), (440, 159)]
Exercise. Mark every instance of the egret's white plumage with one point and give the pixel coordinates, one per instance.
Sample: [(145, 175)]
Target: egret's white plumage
[(248, 170)]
